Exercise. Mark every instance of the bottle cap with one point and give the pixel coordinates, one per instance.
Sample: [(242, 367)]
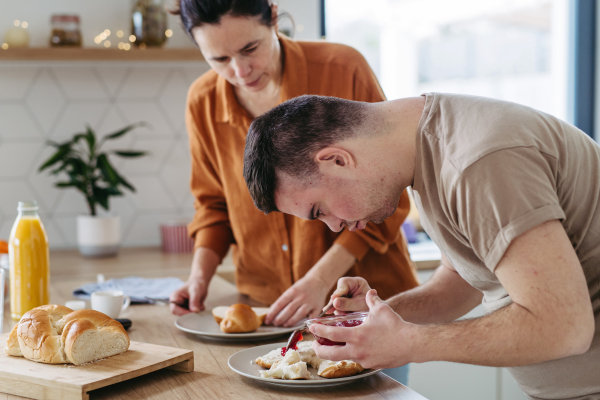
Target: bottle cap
[(27, 206)]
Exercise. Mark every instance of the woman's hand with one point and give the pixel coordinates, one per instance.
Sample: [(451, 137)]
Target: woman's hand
[(193, 292), (350, 294), (382, 341), (303, 299)]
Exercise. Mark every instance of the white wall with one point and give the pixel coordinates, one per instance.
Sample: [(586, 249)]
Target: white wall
[(307, 16), (96, 16), (52, 100)]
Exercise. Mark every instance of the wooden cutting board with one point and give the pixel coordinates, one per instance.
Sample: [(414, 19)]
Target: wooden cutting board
[(22, 377)]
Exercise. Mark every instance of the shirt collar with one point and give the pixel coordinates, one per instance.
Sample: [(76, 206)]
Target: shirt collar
[(294, 83)]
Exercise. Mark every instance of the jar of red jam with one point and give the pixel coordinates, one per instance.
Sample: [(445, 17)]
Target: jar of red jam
[(344, 320)]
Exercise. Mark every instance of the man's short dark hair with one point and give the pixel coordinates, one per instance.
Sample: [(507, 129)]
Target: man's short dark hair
[(286, 138)]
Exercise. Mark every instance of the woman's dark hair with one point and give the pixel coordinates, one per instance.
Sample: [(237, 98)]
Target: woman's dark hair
[(195, 13), (286, 138)]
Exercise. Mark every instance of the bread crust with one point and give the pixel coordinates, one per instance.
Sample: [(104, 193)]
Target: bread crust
[(340, 369), (48, 333), (240, 318), (220, 312)]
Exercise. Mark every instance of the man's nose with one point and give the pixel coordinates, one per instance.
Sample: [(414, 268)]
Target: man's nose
[(334, 223)]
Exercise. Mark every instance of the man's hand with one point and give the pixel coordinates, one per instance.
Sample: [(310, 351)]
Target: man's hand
[(193, 292), (350, 294), (303, 299), (382, 341)]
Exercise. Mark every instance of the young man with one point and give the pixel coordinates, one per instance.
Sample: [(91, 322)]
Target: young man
[(508, 193)]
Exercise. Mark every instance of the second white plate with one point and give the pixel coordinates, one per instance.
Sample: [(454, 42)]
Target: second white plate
[(204, 324), (243, 363)]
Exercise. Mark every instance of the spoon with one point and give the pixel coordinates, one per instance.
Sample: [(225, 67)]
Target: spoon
[(296, 335)]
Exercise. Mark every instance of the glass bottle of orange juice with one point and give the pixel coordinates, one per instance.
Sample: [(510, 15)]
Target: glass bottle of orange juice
[(29, 266)]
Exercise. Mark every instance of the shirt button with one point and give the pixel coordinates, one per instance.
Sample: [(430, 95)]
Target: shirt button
[(284, 247)]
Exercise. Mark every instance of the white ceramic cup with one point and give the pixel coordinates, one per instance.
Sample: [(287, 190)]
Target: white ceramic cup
[(110, 302)]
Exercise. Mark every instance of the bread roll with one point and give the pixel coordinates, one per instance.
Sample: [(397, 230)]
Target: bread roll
[(240, 318), (56, 334), (219, 313)]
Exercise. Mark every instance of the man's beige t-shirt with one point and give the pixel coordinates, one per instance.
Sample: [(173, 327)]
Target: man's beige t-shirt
[(488, 171)]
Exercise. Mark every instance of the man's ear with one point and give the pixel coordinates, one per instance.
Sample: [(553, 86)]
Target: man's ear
[(334, 157)]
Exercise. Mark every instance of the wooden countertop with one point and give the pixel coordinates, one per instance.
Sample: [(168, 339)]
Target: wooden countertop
[(212, 378)]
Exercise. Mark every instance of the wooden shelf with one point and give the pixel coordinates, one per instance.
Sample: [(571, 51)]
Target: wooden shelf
[(91, 54)]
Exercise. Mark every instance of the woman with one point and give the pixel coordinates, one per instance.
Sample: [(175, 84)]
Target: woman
[(281, 260)]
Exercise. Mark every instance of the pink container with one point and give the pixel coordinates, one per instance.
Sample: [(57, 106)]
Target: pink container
[(175, 238)]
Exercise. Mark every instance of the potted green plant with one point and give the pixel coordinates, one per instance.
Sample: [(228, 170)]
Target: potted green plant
[(90, 171)]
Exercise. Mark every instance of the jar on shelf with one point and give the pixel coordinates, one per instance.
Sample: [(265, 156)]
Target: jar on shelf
[(65, 31), (149, 23)]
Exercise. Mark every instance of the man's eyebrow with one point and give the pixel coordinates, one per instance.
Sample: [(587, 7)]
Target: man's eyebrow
[(311, 217)]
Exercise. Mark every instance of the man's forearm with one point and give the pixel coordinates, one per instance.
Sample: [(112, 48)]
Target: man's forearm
[(509, 337), (332, 265), (444, 298)]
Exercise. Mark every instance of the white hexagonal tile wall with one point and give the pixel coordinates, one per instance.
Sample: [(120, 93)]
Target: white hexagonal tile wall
[(46, 100), (152, 162), (67, 226), (143, 82), (113, 77), (147, 112), (17, 123), (173, 99), (80, 83), (76, 117), (145, 230), (195, 71), (55, 236), (150, 194), (71, 202), (123, 207), (12, 193), (111, 122), (5, 227), (146, 93), (17, 158), (176, 172), (15, 81)]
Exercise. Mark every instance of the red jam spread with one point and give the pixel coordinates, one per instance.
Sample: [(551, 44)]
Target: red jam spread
[(349, 323), (293, 343)]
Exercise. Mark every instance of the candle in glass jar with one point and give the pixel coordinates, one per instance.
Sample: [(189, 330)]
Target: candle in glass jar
[(16, 37)]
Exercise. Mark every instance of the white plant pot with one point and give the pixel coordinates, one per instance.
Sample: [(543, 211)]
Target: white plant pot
[(98, 236)]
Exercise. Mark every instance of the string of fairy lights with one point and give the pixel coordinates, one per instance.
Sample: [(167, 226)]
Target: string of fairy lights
[(103, 38), (124, 43)]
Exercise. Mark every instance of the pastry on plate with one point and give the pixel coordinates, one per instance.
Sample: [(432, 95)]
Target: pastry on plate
[(239, 318), (305, 350), (290, 367), (339, 369), (306, 356), (56, 334)]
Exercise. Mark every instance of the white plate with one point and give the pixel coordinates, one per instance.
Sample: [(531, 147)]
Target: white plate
[(243, 363), (204, 324)]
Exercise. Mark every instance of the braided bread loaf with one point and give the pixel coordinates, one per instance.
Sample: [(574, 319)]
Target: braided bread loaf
[(56, 334)]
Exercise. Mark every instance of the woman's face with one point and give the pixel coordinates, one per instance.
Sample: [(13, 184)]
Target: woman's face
[(241, 50)]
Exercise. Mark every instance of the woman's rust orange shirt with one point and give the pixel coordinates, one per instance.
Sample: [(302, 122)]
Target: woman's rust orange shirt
[(273, 251)]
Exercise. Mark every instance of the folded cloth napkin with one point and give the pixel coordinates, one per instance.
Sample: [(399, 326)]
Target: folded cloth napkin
[(135, 287)]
